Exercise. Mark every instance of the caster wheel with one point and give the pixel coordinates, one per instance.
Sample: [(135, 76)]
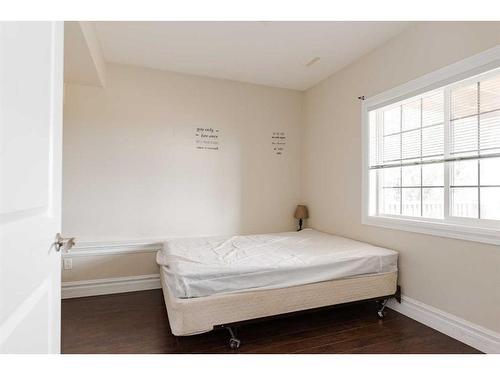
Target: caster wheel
[(380, 314), (234, 343)]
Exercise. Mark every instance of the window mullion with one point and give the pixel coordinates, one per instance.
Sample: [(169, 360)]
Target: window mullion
[(401, 160), (421, 158), (447, 137), (380, 152), (479, 150)]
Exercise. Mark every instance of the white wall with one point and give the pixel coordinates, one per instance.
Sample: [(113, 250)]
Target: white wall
[(459, 277), (131, 169)]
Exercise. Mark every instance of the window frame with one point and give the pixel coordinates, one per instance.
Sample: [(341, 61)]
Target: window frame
[(454, 75)]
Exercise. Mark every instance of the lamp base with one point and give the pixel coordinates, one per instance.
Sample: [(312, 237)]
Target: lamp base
[(300, 225)]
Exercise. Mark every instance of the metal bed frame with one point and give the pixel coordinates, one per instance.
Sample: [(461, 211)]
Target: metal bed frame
[(232, 328)]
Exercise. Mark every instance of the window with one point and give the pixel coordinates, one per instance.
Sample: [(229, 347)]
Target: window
[(432, 162)]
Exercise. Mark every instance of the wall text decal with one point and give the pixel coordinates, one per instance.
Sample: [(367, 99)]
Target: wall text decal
[(207, 139), (279, 142)]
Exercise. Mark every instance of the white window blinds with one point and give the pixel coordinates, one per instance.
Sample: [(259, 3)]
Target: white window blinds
[(475, 149), (408, 133), (437, 155)]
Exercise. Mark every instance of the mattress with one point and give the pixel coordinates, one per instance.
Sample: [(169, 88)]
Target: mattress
[(197, 267)]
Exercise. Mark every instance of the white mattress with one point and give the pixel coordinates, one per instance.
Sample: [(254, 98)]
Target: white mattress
[(196, 267)]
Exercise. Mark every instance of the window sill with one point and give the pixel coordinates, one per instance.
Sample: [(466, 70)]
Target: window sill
[(467, 233)]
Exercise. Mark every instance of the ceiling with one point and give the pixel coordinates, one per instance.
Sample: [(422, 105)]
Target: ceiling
[(294, 55)]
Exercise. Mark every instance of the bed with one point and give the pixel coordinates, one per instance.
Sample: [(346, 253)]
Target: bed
[(215, 282)]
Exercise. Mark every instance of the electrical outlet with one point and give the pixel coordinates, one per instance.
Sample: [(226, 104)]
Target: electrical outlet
[(68, 264)]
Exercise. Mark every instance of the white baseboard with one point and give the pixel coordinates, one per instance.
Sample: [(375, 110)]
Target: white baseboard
[(85, 288), (469, 333)]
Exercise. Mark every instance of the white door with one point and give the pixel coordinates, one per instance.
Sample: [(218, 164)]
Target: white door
[(31, 85)]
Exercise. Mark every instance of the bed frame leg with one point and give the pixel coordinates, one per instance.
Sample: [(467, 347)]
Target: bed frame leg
[(383, 303), (234, 341), (398, 294), (380, 311)]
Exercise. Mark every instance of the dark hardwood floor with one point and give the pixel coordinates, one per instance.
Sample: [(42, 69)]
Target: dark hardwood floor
[(137, 323)]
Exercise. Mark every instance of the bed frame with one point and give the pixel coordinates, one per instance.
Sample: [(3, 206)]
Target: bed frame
[(190, 316), (235, 342)]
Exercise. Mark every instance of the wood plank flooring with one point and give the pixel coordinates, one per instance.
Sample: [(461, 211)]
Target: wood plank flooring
[(137, 322)]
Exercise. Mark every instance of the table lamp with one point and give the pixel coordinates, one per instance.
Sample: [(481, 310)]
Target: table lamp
[(301, 213)]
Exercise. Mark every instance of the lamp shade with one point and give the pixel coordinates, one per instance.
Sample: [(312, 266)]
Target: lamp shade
[(301, 212)]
